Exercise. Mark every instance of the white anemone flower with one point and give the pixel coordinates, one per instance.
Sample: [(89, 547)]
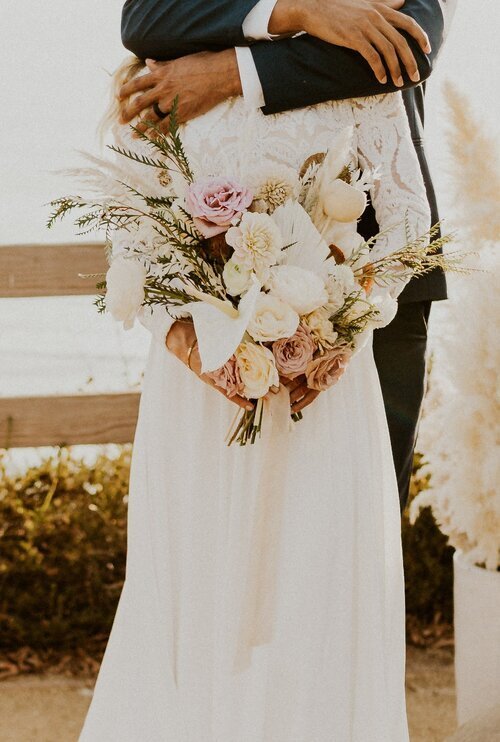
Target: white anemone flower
[(219, 326)]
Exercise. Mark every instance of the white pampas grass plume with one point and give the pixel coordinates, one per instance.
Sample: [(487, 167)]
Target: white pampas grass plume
[(475, 175)]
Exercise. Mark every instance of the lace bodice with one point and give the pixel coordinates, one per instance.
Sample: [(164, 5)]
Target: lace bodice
[(233, 140), (230, 139)]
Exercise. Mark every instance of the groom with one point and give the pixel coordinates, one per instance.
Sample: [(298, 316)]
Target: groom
[(341, 49)]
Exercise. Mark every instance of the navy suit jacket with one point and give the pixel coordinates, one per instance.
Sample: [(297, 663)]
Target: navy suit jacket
[(294, 72)]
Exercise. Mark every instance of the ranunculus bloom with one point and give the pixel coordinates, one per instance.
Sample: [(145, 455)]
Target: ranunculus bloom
[(214, 203), (237, 278), (257, 369), (302, 289), (344, 277), (293, 354), (125, 281), (324, 371), (228, 378), (272, 319)]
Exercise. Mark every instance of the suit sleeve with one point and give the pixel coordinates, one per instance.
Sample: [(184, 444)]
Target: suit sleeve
[(167, 29), (304, 71)]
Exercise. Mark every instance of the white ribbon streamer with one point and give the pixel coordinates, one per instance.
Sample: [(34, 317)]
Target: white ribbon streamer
[(258, 605)]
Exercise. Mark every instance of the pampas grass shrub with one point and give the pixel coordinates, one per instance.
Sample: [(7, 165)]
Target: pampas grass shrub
[(462, 421)]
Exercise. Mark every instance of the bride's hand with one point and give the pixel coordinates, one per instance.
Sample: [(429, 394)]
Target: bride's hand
[(300, 394), (181, 341), (369, 27)]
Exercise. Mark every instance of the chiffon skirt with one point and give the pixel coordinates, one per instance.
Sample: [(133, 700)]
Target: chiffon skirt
[(228, 632)]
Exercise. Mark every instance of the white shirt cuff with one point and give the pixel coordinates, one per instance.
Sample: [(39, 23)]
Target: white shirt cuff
[(256, 24), (250, 81)]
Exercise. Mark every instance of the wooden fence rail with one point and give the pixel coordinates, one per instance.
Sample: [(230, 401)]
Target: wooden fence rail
[(52, 270), (49, 270)]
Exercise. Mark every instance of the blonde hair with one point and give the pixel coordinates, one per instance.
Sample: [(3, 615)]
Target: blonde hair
[(129, 68)]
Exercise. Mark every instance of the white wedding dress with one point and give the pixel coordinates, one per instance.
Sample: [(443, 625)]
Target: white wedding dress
[(264, 593)]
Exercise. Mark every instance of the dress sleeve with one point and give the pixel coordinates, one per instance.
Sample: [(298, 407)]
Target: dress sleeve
[(398, 195)]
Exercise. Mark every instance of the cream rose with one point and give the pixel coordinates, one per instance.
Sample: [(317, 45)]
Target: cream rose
[(320, 327), (272, 319), (237, 278), (257, 243), (125, 282), (257, 369), (302, 289)]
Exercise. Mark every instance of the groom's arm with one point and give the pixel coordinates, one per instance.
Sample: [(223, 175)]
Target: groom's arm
[(293, 72), (304, 71), (167, 29)]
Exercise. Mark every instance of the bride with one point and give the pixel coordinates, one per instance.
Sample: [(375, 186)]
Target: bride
[(264, 593)]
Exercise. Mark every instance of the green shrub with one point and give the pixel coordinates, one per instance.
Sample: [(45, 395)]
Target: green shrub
[(63, 547), (62, 550)]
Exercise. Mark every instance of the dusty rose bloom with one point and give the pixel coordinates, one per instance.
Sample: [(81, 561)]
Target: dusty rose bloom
[(293, 354), (228, 378), (324, 371), (215, 202)]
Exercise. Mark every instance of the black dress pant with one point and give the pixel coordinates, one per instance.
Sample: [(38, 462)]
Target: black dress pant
[(400, 356)]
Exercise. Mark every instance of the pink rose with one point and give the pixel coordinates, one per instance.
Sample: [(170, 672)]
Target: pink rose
[(215, 202), (293, 354), (228, 378), (324, 371)]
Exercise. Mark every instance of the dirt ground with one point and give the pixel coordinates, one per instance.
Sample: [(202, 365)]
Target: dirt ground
[(51, 708)]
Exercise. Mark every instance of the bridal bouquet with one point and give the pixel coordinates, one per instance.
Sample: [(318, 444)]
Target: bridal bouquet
[(270, 269)]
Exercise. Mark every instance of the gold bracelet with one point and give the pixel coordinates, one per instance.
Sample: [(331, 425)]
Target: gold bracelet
[(190, 352)]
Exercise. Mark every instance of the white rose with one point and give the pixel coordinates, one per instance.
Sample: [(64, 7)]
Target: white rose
[(125, 281), (257, 369), (237, 279), (257, 242), (320, 327), (272, 320), (345, 237), (302, 289), (342, 276), (336, 296), (387, 307)]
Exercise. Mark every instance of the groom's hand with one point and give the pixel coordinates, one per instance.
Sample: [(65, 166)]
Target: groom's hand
[(370, 27), (200, 81)]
